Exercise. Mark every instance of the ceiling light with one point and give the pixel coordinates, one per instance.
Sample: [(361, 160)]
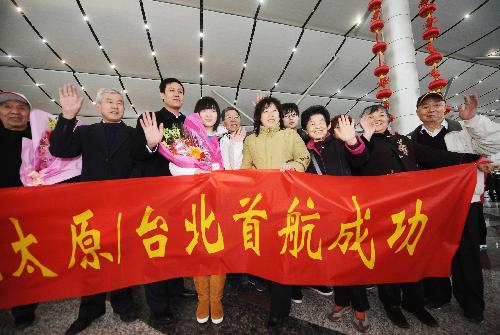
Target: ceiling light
[(201, 59), (131, 105), (275, 84), (479, 82), (83, 88), (492, 110), (63, 61), (19, 9), (497, 100), (85, 18), (338, 91), (358, 21), (124, 91), (93, 102), (146, 26), (201, 34), (466, 16), (201, 75), (100, 47), (294, 49), (244, 64), (153, 53), (9, 56), (37, 84), (53, 100), (44, 40), (456, 77), (113, 66)]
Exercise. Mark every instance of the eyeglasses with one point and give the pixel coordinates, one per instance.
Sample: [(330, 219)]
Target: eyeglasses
[(237, 117), (290, 115)]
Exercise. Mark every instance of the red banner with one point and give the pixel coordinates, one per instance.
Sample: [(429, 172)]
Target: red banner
[(71, 240)]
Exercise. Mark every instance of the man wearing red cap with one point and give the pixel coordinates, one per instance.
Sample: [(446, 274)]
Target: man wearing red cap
[(478, 135)]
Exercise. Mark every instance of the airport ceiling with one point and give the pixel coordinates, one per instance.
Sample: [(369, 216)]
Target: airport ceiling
[(247, 46)]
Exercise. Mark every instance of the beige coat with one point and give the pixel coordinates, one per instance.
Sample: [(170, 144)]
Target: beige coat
[(273, 148)]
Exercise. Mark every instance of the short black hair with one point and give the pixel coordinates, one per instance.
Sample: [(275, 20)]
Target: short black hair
[(259, 108), (290, 107), (208, 103), (373, 108), (313, 110), (167, 81), (227, 109)]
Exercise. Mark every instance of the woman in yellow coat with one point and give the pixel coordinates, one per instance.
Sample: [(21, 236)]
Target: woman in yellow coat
[(271, 146)]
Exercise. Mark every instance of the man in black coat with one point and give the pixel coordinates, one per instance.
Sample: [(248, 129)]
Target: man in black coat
[(105, 148), (149, 133), (394, 153), (14, 116)]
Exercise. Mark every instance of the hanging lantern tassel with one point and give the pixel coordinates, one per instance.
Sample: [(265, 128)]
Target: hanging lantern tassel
[(378, 49), (430, 34)]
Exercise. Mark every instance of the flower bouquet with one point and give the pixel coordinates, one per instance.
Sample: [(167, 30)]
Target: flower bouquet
[(190, 147), (38, 166)]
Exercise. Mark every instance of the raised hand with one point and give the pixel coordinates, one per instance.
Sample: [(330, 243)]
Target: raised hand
[(368, 126), (258, 98), (239, 135), (467, 110), (71, 103), (345, 130), (152, 132)]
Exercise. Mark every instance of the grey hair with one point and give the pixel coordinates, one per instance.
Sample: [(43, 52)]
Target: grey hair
[(103, 91)]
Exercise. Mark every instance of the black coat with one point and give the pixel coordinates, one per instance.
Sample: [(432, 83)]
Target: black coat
[(397, 153), (11, 143), (154, 163), (100, 161), (336, 159)]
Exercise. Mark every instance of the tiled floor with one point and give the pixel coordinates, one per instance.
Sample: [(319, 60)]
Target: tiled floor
[(247, 312)]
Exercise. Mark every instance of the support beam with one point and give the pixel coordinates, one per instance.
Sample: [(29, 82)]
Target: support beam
[(400, 57)]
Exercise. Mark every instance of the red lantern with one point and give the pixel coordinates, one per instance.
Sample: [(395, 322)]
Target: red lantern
[(433, 59), (448, 109), (376, 26), (381, 70), (431, 33), (379, 47), (384, 94), (374, 4), (437, 85), (427, 9)]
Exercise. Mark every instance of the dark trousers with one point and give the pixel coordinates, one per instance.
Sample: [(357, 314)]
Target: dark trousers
[(481, 225), (91, 306), (354, 296), (466, 270), (412, 299), (281, 296), (158, 294), (24, 311)]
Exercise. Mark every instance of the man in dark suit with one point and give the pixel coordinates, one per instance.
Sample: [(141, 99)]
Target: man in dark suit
[(105, 149), (149, 133)]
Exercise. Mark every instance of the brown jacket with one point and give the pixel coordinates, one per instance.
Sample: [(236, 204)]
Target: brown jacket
[(273, 148)]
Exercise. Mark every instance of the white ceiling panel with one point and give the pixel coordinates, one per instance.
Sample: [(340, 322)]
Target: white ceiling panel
[(175, 32), (19, 40), (127, 47), (224, 48), (313, 54), (353, 56), (271, 48)]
